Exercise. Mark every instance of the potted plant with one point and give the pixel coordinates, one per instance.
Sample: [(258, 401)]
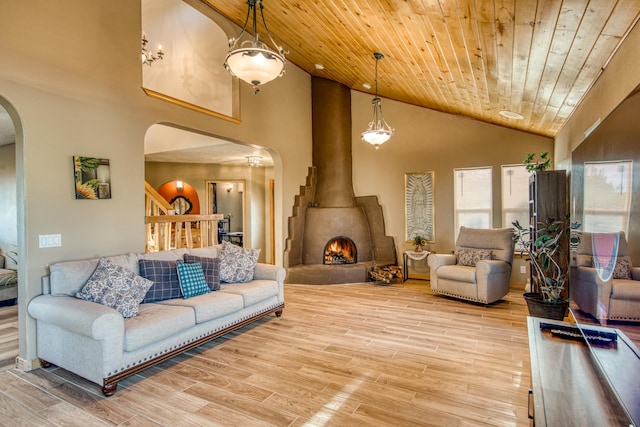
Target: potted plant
[(535, 166), (419, 241), (547, 250)]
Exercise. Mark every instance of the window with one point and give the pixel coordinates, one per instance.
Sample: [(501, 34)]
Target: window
[(472, 201), (607, 196), (515, 195)]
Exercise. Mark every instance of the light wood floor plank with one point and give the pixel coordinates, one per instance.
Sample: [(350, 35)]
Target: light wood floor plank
[(356, 354)]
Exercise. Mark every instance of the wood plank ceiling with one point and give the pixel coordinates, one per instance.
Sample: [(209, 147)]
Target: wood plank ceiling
[(473, 58)]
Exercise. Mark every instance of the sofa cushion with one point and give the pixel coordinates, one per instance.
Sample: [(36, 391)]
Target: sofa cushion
[(164, 275), (253, 292), (471, 256), (67, 278), (154, 323), (237, 265), (210, 306), (460, 273), (115, 287), (192, 281), (210, 267)]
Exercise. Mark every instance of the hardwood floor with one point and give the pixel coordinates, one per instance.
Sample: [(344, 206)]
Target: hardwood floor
[(8, 336), (355, 354)]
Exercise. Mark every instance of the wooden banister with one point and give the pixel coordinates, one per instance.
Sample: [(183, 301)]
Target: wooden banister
[(154, 202), (166, 231)]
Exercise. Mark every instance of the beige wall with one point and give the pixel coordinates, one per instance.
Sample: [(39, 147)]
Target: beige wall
[(616, 82)]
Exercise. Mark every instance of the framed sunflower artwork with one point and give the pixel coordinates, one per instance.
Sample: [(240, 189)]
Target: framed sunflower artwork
[(92, 178)]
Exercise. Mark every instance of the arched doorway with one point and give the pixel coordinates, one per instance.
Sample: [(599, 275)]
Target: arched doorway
[(235, 171), (12, 224)]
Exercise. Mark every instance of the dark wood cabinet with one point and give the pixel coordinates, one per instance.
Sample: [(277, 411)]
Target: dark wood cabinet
[(548, 201)]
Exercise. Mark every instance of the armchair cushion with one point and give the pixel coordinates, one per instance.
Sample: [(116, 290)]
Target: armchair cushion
[(623, 267), (471, 256), (460, 273), (625, 289)]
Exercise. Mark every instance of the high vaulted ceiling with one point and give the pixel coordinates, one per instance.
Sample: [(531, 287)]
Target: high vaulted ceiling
[(473, 58)]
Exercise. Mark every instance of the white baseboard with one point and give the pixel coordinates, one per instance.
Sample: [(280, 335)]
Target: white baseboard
[(27, 365)]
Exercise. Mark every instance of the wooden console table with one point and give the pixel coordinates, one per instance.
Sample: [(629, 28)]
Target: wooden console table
[(568, 388)]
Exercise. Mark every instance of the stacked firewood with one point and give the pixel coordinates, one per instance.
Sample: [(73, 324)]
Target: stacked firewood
[(385, 274)]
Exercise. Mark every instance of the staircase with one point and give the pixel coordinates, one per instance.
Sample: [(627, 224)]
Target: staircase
[(164, 231)]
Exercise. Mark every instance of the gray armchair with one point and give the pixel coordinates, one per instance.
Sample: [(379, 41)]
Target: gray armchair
[(614, 299), (480, 269), (8, 282)]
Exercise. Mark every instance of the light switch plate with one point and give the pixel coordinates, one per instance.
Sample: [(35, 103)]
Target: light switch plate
[(523, 269), (49, 240)]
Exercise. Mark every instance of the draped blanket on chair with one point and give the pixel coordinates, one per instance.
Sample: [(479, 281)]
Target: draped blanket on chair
[(605, 253)]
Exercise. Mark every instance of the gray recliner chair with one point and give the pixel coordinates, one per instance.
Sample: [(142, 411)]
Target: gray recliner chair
[(615, 299), (480, 268)]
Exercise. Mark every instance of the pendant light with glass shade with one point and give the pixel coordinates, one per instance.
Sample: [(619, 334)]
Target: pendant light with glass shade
[(378, 132), (253, 61)]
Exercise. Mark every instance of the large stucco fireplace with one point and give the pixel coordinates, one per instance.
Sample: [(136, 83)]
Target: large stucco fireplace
[(327, 209)]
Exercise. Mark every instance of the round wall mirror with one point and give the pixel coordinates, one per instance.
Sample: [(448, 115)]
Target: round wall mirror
[(181, 205)]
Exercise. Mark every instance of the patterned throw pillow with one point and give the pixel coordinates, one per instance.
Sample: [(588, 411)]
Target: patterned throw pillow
[(192, 281), (623, 268), (164, 275), (470, 257), (115, 287), (210, 267), (237, 265)]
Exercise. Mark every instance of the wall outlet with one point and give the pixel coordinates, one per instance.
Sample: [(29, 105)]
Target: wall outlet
[(523, 269)]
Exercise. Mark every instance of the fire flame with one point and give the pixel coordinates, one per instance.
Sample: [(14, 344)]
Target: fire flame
[(340, 251)]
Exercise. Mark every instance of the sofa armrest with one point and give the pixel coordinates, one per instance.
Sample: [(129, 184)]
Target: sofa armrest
[(269, 272), (1, 261), (635, 273), (436, 261), (82, 317)]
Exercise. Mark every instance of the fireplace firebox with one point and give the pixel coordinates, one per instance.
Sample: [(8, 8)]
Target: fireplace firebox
[(340, 250)]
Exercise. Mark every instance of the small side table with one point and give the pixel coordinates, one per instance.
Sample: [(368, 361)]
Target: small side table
[(416, 256)]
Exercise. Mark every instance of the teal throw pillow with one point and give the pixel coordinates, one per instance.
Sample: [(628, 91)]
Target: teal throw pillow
[(192, 280)]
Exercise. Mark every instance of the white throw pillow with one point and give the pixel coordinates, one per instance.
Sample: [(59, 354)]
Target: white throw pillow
[(237, 265)]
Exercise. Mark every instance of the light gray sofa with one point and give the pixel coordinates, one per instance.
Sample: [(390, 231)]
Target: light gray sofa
[(469, 276), (97, 343)]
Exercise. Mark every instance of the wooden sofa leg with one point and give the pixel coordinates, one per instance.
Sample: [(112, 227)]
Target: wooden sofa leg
[(44, 363), (109, 389), (278, 313)]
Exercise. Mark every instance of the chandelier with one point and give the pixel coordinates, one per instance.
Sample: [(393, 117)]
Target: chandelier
[(254, 161), (148, 57), (378, 132), (253, 61)]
